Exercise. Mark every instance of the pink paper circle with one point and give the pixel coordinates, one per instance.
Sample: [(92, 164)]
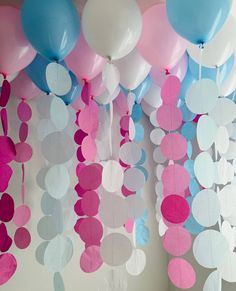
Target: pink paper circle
[(175, 209), (79, 155), (5, 176), (22, 238), (5, 240), (124, 123), (177, 241), (174, 146), (80, 191), (6, 208), (23, 132), (24, 112), (90, 203), (24, 152), (78, 209), (88, 118), (21, 216), (129, 226), (7, 149), (175, 179), (79, 167), (8, 267), (126, 192), (171, 90), (169, 117), (4, 119), (181, 273), (90, 177), (5, 93), (89, 148), (90, 231), (91, 260), (79, 136)]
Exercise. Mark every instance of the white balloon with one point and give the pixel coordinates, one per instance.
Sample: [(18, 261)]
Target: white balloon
[(147, 109), (110, 77), (204, 169), (133, 70), (219, 49), (112, 27), (153, 96), (206, 132)]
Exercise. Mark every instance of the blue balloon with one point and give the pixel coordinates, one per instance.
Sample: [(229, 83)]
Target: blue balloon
[(75, 91), (211, 73), (37, 72), (142, 89), (51, 26), (198, 20)]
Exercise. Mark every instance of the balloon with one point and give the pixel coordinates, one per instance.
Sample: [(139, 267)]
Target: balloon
[(22, 87), (51, 26), (159, 44), (145, 4), (211, 73), (179, 70), (133, 70), (16, 52), (112, 27), (36, 71), (83, 61), (217, 51), (97, 86), (75, 91), (198, 20)]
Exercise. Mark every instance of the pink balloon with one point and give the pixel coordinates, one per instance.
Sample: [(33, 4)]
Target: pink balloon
[(90, 203), (5, 174), (21, 216), (22, 238), (90, 177), (91, 260), (23, 87), (169, 117), (181, 273), (159, 44), (175, 179), (16, 52), (170, 90), (83, 61), (174, 146), (177, 241), (175, 209), (179, 70), (8, 267), (89, 148)]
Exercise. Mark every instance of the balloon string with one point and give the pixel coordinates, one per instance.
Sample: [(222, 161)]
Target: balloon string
[(23, 184), (201, 47), (110, 128)]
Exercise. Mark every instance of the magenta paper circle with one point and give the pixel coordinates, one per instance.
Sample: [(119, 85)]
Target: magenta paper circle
[(79, 136), (5, 176), (181, 273), (174, 146), (177, 241), (21, 216), (24, 152), (22, 238), (90, 203), (24, 112), (175, 209), (80, 191), (4, 120), (8, 267), (124, 123), (78, 209), (7, 149), (5, 93), (88, 118), (6, 208), (170, 90), (169, 117), (175, 179), (79, 155), (23, 132), (90, 177), (91, 260), (5, 240)]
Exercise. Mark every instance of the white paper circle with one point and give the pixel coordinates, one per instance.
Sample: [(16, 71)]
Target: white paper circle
[(209, 248), (136, 263), (46, 227), (206, 208), (45, 127), (43, 105), (222, 140), (136, 206), (224, 172), (130, 153), (57, 181), (228, 267), (224, 111), (40, 251), (204, 170), (134, 179), (159, 188), (158, 171), (153, 118), (40, 178), (206, 132), (228, 233), (58, 282), (115, 280), (116, 249), (232, 219), (213, 282), (112, 176), (110, 77), (130, 101), (231, 152), (48, 204), (162, 228), (227, 199), (58, 147), (59, 113), (113, 210), (58, 79), (157, 135), (202, 96), (147, 109), (58, 253), (132, 129), (158, 156)]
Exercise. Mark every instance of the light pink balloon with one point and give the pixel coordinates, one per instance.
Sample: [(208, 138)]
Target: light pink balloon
[(179, 70), (16, 51), (159, 44), (83, 61), (22, 87)]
